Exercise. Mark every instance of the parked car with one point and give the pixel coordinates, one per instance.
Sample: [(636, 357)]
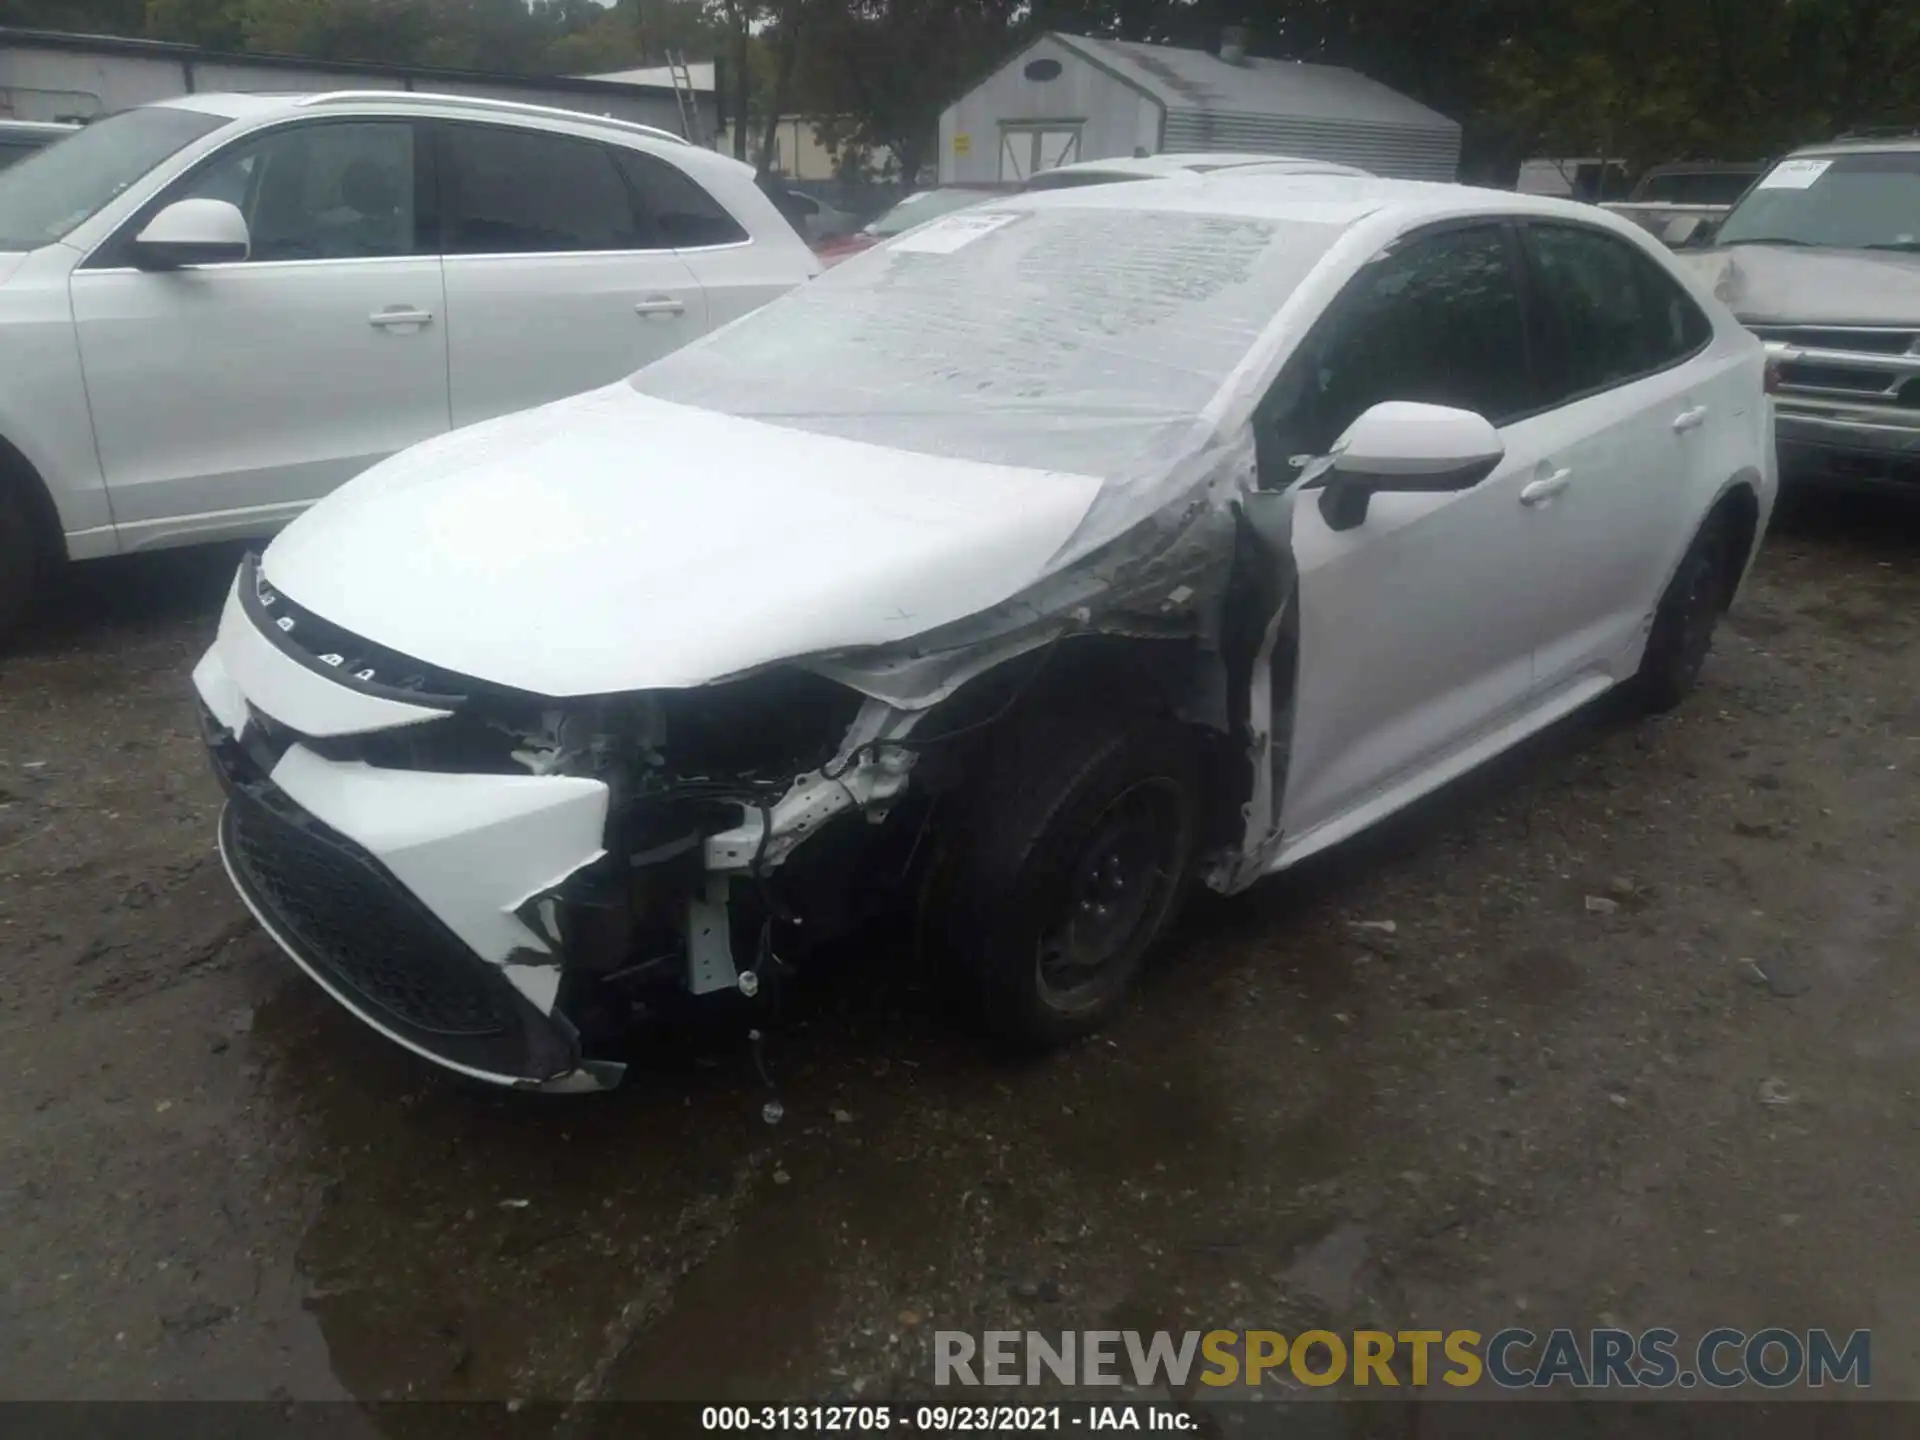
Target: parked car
[(1821, 260), (1681, 203), (1058, 553), (217, 308), (21, 138), (930, 204), (915, 209), (1147, 167)]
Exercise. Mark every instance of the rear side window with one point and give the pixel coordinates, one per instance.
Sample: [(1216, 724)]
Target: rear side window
[(674, 206), (1436, 318), (1607, 313), (517, 192)]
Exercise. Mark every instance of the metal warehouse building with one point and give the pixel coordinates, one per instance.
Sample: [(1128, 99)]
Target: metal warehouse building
[(49, 75), (1068, 97)]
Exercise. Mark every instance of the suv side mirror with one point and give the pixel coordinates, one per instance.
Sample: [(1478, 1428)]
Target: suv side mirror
[(1400, 445), (192, 232)]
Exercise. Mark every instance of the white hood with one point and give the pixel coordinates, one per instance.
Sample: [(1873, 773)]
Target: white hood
[(615, 542), (1791, 285)]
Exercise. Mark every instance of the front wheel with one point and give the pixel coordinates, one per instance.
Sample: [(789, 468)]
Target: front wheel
[(1076, 850), (1682, 633)]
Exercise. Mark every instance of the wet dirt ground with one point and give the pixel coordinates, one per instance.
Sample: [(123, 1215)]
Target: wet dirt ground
[(1692, 1099)]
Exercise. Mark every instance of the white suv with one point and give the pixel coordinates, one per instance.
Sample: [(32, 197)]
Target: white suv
[(216, 309)]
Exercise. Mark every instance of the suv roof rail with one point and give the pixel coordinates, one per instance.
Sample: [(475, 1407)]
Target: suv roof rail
[(485, 102), (1880, 132)]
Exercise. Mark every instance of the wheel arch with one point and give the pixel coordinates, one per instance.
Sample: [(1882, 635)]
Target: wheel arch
[(1739, 502)]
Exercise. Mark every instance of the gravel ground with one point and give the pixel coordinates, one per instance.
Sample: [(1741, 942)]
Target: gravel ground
[(1689, 1100)]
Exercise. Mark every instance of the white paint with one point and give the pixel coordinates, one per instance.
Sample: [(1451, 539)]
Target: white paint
[(472, 848), (1793, 175), (616, 542)]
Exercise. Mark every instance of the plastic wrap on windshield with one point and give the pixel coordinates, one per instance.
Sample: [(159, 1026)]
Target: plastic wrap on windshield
[(1081, 340)]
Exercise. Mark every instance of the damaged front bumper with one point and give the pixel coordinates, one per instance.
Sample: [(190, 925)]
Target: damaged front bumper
[(499, 902)]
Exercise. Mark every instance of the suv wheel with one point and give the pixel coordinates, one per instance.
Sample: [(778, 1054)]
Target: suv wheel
[(20, 562)]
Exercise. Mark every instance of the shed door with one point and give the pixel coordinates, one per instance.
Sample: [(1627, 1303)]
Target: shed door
[(1027, 149)]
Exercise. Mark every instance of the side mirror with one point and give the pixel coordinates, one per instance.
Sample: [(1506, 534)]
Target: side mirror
[(192, 232), (1400, 445)]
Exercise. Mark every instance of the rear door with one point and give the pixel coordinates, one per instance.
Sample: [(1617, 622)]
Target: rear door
[(558, 279), (229, 396), (1616, 342)]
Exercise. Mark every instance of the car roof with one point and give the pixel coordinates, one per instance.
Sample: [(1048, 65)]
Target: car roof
[(1172, 162), (1311, 199), (1863, 145)]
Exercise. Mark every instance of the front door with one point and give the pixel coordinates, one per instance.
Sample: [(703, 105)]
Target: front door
[(1028, 149), (558, 280), (1414, 635), (227, 397)]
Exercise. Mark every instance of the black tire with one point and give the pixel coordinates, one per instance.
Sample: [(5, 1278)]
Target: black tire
[(1682, 634), (1073, 856), (20, 563)]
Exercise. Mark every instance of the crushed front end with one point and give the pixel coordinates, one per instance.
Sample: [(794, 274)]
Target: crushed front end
[(499, 881)]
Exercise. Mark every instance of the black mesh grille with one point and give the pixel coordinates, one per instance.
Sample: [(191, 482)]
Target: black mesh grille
[(363, 932)]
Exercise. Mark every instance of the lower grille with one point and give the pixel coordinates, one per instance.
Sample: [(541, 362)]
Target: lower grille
[(362, 931)]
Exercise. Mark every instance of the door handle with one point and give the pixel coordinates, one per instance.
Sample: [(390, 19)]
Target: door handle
[(400, 315), (1546, 487), (660, 305), (1689, 420)]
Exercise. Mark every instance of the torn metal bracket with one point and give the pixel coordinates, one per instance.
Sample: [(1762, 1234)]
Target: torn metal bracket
[(710, 940)]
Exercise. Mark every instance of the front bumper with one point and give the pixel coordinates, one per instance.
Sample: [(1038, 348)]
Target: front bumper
[(401, 893), (1847, 444)]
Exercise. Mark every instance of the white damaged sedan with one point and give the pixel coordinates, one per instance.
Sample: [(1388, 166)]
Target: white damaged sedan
[(1022, 571)]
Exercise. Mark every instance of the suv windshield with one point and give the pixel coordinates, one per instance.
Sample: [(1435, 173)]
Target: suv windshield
[(1868, 200), (50, 192)]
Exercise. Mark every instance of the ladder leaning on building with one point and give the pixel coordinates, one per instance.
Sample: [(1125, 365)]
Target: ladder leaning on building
[(683, 93)]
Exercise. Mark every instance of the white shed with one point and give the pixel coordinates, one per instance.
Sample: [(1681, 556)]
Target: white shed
[(1069, 97)]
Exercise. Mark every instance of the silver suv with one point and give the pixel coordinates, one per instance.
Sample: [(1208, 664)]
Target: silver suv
[(1821, 259)]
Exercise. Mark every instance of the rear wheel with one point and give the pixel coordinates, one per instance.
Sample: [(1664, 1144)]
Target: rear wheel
[(20, 561), (1072, 861), (1682, 634)]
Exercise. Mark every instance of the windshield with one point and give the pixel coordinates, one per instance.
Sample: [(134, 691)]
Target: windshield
[(52, 191), (1861, 201), (926, 205), (1697, 187), (1084, 339)]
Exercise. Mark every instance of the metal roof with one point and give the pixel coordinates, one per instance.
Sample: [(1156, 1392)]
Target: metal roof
[(1194, 80)]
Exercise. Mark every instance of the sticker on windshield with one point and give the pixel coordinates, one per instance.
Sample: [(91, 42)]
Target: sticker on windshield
[(951, 232), (1793, 175)]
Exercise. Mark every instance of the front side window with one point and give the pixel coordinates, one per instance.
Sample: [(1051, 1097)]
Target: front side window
[(333, 191), (1436, 318), (1862, 201), (1607, 314), (676, 209), (49, 194), (519, 192)]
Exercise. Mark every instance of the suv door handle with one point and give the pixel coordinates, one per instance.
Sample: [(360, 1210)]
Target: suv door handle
[(660, 305), (1546, 487), (400, 315), (1689, 420)]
